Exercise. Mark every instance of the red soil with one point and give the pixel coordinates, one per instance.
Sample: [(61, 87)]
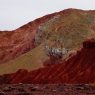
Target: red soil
[(80, 68)]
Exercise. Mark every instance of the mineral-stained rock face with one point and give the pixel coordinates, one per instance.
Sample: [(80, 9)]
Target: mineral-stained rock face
[(71, 71), (67, 30), (65, 39)]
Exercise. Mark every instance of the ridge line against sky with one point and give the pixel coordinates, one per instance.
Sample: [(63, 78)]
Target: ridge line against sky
[(15, 13)]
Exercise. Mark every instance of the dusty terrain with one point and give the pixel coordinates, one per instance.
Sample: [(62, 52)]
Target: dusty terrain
[(47, 89)]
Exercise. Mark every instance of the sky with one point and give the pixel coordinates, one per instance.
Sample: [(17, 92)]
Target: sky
[(15, 13)]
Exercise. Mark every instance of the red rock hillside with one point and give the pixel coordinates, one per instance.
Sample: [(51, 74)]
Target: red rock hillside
[(80, 68), (64, 43), (19, 41)]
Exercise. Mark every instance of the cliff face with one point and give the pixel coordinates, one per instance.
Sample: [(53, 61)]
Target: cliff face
[(64, 42)]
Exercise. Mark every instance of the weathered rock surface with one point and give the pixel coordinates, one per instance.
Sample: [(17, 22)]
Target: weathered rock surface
[(72, 30)]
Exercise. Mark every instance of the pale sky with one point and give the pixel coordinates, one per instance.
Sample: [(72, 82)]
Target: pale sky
[(15, 13)]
